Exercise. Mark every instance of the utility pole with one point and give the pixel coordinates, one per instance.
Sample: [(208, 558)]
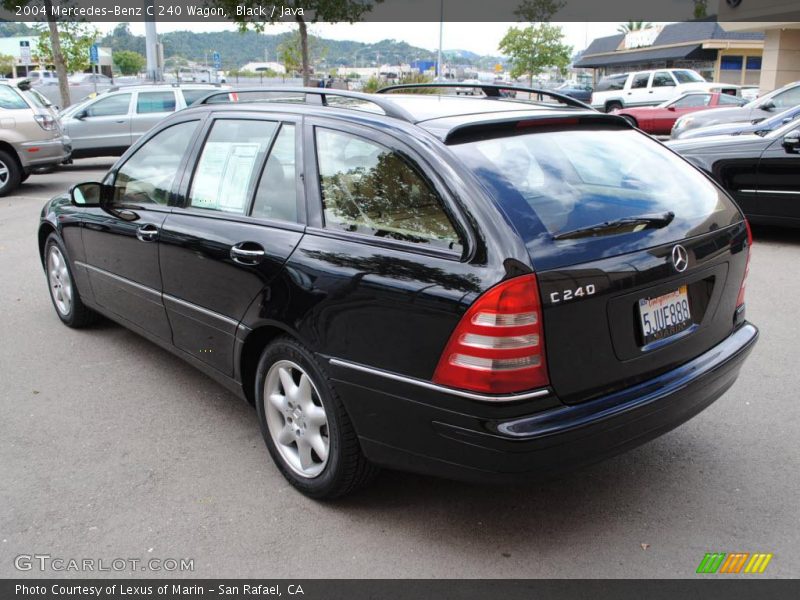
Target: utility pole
[(441, 34), (151, 41)]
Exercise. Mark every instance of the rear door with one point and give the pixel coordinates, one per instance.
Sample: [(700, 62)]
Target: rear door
[(778, 190), (241, 219), (638, 94), (151, 108), (605, 288)]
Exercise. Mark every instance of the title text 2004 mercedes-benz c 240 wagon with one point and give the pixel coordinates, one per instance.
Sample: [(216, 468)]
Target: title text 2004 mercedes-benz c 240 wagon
[(478, 288)]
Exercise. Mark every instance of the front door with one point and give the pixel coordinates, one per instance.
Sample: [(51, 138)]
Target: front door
[(778, 186), (241, 221), (104, 124), (121, 239)]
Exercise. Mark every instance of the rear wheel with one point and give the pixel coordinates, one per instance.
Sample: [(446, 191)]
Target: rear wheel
[(305, 426), (612, 106), (63, 292), (630, 120), (10, 173)]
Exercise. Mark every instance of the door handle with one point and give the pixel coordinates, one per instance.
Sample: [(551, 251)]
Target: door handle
[(147, 233), (247, 256)]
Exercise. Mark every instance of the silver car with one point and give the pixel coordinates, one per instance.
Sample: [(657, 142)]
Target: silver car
[(109, 123), (759, 109)]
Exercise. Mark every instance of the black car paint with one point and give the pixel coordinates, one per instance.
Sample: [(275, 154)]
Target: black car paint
[(378, 313), (760, 174)]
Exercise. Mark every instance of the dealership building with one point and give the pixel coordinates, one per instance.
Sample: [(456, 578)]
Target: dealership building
[(708, 47)]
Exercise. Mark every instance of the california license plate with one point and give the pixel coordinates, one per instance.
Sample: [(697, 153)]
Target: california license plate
[(664, 316)]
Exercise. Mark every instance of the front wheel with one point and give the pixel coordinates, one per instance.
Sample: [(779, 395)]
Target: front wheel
[(305, 426), (10, 173), (63, 292)]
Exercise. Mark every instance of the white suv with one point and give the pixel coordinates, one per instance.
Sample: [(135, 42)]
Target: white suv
[(648, 88)]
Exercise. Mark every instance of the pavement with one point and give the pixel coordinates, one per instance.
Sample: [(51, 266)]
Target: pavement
[(112, 448)]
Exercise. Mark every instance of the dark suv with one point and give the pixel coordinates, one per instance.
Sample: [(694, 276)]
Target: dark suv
[(479, 288)]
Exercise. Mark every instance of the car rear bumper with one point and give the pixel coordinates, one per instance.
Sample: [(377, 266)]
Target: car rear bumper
[(410, 427), (44, 152)]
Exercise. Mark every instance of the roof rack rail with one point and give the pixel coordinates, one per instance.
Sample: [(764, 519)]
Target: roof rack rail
[(315, 96), (491, 90)]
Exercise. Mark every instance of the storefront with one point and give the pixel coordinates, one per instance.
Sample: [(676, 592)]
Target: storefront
[(704, 46)]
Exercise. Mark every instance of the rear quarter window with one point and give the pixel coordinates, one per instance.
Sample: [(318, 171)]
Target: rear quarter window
[(614, 82), (10, 99)]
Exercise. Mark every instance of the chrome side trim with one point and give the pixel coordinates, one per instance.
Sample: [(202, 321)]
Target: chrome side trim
[(789, 192), (133, 284), (439, 388), (205, 311)]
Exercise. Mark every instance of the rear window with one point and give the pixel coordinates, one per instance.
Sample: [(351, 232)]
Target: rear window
[(192, 96), (686, 76), (551, 182), (614, 82)]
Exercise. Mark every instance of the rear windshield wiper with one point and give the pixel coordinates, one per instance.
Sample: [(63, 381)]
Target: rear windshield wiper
[(626, 223)]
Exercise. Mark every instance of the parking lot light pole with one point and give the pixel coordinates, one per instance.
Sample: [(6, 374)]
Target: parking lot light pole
[(151, 42)]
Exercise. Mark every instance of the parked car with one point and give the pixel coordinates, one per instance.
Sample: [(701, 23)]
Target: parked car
[(107, 124), (479, 288), (762, 108), (88, 79), (750, 92), (761, 172), (30, 136), (39, 77), (742, 127), (582, 92), (468, 91), (658, 120), (649, 88)]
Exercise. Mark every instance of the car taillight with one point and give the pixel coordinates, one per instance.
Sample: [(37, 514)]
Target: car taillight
[(46, 122), (498, 346), (740, 299)]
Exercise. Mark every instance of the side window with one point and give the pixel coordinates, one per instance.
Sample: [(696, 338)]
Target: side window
[(692, 101), (731, 100), (155, 102), (113, 105), (227, 166), (148, 175), (10, 99), (640, 80), (370, 189), (192, 96), (276, 195), (787, 99), (663, 79)]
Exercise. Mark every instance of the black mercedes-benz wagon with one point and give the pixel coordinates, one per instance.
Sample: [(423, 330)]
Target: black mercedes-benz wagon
[(484, 288)]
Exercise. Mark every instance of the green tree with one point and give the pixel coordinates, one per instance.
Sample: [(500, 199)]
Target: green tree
[(75, 41), (129, 62), (633, 26), (535, 48), (700, 11), (7, 63), (290, 52), (305, 11), (57, 56), (538, 11)]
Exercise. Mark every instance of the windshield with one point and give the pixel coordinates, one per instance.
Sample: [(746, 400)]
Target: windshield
[(685, 76), (782, 131), (554, 182)]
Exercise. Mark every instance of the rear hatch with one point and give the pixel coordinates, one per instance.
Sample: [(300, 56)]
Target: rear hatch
[(638, 255)]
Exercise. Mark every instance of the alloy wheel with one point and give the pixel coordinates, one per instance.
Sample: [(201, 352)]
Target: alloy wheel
[(60, 281), (296, 418)]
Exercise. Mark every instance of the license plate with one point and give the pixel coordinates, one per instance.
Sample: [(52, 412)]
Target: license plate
[(664, 316)]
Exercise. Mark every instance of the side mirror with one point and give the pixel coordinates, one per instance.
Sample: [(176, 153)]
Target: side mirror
[(80, 115), (86, 195), (768, 105), (791, 142), (671, 108)]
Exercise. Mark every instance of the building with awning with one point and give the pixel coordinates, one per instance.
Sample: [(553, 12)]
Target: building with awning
[(705, 46)]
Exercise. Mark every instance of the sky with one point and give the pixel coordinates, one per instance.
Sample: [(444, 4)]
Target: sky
[(481, 38)]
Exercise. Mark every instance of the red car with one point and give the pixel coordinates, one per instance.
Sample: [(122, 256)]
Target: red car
[(658, 120)]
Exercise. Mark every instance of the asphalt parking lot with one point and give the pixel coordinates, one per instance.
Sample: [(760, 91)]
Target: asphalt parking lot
[(112, 448)]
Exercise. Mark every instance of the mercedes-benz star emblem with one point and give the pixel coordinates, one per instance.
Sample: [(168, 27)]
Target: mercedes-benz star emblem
[(680, 258)]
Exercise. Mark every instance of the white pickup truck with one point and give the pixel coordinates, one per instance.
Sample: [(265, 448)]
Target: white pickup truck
[(648, 88)]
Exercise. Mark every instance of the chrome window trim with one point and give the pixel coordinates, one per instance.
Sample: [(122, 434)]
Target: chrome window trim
[(540, 393)]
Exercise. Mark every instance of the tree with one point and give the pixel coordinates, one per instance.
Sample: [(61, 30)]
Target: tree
[(7, 63), (75, 41), (304, 11), (633, 26), (535, 48), (538, 11), (129, 62), (290, 52), (700, 9), (56, 54)]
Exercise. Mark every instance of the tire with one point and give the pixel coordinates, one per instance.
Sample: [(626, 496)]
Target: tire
[(10, 173), (613, 106), (63, 290), (24, 177), (292, 424), (45, 170), (631, 120)]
